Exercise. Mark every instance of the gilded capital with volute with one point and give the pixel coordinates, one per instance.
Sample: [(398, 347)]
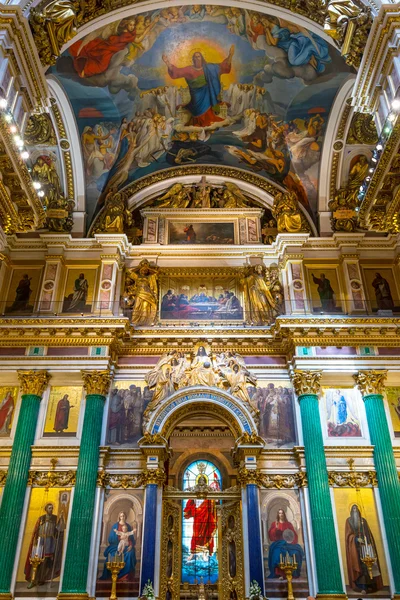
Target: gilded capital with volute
[(371, 382), (96, 382), (33, 382), (306, 382)]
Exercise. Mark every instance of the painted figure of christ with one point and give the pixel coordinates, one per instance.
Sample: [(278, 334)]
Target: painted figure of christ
[(204, 81)]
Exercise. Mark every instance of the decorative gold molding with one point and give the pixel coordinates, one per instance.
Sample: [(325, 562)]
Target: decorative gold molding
[(33, 382), (279, 482), (120, 480), (249, 476), (96, 382), (306, 382), (3, 478), (371, 382), (352, 479), (50, 479), (154, 476)]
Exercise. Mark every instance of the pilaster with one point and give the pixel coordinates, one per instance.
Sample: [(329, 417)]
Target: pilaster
[(50, 294)]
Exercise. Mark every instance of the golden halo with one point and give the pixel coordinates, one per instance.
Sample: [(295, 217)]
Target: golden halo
[(194, 50), (205, 345)]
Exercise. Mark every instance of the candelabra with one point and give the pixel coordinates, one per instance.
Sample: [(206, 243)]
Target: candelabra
[(288, 564), (115, 566), (368, 557), (35, 561)]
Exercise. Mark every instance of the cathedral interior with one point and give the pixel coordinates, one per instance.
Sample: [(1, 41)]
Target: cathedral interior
[(199, 299)]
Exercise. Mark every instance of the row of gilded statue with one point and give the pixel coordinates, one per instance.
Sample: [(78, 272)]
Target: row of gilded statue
[(176, 370), (262, 295)]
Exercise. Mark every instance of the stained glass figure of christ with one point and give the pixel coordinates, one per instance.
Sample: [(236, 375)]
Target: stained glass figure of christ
[(199, 525)]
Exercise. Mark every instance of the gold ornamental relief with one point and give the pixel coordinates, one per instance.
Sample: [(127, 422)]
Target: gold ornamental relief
[(371, 382), (306, 382), (96, 382), (33, 382)]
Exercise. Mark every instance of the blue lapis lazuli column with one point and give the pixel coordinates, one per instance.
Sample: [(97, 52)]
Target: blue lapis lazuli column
[(254, 541), (149, 536)]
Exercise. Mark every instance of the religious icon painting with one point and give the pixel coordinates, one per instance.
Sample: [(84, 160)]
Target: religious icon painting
[(23, 290), (62, 414), (382, 289), (128, 401), (324, 290), (121, 538), (393, 400), (44, 538), (342, 412), (275, 401), (199, 525), (360, 535), (282, 533), (201, 233), (8, 401), (79, 290)]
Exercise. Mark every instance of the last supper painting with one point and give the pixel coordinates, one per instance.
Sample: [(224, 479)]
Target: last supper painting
[(201, 85)]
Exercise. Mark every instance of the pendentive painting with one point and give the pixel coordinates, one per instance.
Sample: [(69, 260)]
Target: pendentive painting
[(23, 291), (275, 401), (360, 534), (79, 290), (201, 233), (282, 533), (8, 401), (201, 84), (393, 400), (128, 401), (63, 412), (341, 408), (121, 536), (201, 298), (44, 539)]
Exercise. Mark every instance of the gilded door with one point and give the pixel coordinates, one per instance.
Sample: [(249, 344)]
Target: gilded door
[(231, 581), (170, 551)]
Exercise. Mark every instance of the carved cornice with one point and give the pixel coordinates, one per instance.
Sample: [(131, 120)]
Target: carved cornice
[(371, 382), (50, 479), (96, 382), (120, 480), (33, 382), (352, 479), (306, 382), (279, 482)]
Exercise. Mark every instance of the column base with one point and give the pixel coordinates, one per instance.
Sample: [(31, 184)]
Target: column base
[(332, 597), (71, 596)]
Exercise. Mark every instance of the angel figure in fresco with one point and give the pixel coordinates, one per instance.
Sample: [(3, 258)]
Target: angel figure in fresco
[(204, 81), (141, 288), (358, 536), (284, 541), (6, 412), (261, 306)]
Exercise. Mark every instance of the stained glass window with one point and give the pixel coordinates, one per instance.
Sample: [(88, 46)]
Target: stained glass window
[(199, 525)]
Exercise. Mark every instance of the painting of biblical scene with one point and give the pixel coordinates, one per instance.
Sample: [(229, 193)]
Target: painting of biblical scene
[(341, 408), (23, 291), (360, 534), (79, 290), (275, 401), (201, 233), (324, 290), (8, 401), (201, 84), (393, 400), (205, 298), (128, 401), (44, 537), (63, 412), (382, 289), (199, 525), (121, 536), (282, 534)]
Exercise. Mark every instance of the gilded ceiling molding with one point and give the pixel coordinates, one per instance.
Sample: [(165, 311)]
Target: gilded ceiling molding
[(371, 382), (65, 145), (33, 382)]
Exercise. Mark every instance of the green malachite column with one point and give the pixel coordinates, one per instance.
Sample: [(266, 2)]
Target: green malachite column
[(74, 584), (371, 384), (33, 384), (307, 387)]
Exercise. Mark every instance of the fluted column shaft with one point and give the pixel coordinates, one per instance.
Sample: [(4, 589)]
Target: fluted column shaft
[(33, 384), (80, 530), (307, 386), (371, 384)]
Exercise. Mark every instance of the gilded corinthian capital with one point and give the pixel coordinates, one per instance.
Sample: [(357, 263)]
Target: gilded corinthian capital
[(96, 382), (306, 382), (370, 382), (33, 382)]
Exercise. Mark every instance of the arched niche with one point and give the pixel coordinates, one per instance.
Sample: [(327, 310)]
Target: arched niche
[(198, 400)]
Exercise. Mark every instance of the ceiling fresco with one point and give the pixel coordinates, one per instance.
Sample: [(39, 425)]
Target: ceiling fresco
[(201, 85)]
